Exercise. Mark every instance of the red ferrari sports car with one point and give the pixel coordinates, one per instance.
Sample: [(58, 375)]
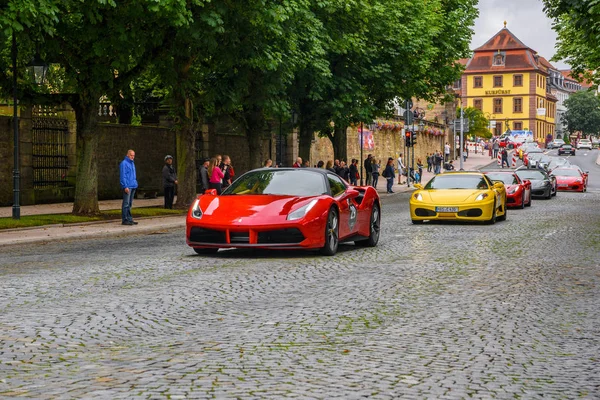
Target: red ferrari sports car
[(518, 191), (570, 179), (285, 208)]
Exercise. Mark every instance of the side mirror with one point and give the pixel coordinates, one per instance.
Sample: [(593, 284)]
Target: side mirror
[(211, 192), (352, 193), (527, 182), (498, 185), (418, 186)]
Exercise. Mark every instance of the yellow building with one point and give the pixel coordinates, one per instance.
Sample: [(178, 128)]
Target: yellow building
[(507, 81)]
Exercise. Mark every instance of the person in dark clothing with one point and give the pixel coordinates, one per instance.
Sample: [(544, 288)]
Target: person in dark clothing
[(225, 166), (169, 180), (204, 178), (344, 171), (353, 171), (368, 170), (504, 155), (389, 175)]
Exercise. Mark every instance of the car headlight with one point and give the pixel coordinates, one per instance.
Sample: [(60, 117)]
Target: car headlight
[(301, 212), (512, 190), (481, 196), (418, 197), (196, 211)]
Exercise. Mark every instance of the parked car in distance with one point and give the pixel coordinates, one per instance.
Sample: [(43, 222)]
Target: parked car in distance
[(556, 143), (566, 149), (595, 142), (584, 144)]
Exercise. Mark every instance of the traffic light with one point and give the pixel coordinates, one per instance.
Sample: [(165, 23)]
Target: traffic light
[(414, 138), (407, 138)]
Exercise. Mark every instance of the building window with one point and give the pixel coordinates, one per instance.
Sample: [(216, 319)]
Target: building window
[(498, 60), (518, 126), (518, 105), (478, 81), (478, 103), (498, 81), (497, 106), (457, 84), (518, 80)]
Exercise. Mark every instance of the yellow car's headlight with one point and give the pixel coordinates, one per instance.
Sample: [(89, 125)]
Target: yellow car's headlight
[(481, 197), (418, 197)]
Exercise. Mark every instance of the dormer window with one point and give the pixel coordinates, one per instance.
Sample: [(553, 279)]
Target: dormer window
[(498, 60)]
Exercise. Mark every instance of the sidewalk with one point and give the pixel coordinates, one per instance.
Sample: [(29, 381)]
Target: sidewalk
[(473, 162), (148, 225)]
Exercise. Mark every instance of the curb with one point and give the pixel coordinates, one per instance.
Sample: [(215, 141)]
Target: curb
[(105, 221)]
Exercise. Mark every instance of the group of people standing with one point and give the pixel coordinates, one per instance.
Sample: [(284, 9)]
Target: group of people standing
[(216, 173)]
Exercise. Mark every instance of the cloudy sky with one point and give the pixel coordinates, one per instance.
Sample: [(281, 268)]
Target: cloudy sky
[(524, 18)]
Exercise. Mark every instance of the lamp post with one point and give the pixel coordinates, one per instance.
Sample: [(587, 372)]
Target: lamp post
[(16, 208), (38, 71), (361, 155)]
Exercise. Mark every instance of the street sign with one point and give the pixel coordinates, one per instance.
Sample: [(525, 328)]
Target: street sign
[(492, 124), (541, 111), (465, 125)]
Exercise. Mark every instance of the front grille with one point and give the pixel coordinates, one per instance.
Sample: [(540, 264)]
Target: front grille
[(201, 235), (239, 237), (472, 212), (510, 200), (423, 212), (289, 235)]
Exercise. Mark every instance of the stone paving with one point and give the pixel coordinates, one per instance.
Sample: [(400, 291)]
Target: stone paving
[(439, 311)]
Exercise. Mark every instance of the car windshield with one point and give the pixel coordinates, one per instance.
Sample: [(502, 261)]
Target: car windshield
[(535, 150), (566, 146), (535, 156), (531, 174), (584, 141), (566, 172), (287, 182), (555, 162), (457, 181), (507, 179)]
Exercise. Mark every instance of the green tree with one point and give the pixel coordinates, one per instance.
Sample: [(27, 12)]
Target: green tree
[(478, 123), (102, 46), (577, 24), (378, 51), (583, 113)]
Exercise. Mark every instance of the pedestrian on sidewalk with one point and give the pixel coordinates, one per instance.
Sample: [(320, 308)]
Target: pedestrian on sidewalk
[(446, 152), (401, 169), (429, 162), (419, 170), (128, 180), (495, 148), (504, 155), (368, 169), (375, 167), (169, 179), (353, 172), (216, 175), (204, 177), (437, 162), (388, 174)]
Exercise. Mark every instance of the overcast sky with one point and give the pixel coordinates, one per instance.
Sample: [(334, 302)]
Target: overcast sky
[(524, 18)]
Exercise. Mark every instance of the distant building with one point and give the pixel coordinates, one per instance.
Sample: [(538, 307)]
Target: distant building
[(508, 82)]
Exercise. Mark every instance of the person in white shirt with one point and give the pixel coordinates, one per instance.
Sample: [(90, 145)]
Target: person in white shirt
[(446, 152), (401, 168)]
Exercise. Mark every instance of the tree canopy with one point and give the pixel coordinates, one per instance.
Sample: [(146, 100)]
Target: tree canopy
[(577, 24), (583, 113)]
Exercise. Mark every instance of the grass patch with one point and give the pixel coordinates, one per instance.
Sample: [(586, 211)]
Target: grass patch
[(54, 219)]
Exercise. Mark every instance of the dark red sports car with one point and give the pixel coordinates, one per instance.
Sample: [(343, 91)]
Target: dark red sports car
[(285, 208), (518, 191), (570, 179)]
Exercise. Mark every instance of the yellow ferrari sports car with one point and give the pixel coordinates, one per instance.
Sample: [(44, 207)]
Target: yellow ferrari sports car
[(459, 196)]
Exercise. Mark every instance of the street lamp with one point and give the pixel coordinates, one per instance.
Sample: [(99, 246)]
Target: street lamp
[(38, 71), (361, 154)]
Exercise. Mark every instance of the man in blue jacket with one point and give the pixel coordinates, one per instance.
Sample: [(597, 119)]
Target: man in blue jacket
[(128, 185)]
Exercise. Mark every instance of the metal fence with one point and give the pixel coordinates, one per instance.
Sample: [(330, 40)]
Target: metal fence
[(50, 152)]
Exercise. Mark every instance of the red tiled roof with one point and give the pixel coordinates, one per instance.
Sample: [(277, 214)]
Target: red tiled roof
[(546, 63), (503, 40), (515, 60), (567, 73)]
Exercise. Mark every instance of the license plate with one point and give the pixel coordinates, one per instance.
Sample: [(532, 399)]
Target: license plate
[(446, 209)]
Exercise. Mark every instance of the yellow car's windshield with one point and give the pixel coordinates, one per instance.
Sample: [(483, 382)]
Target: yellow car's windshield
[(457, 181)]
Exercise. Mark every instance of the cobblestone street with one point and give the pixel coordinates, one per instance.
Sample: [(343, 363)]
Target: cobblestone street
[(435, 311)]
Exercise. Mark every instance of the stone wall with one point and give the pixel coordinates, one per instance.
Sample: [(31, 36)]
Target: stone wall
[(387, 143)]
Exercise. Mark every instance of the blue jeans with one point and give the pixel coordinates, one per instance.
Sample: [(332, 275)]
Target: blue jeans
[(375, 179), (390, 183), (126, 207), (437, 169)]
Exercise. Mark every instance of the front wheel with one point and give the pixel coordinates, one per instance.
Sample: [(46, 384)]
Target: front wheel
[(492, 220), (374, 229), (331, 233)]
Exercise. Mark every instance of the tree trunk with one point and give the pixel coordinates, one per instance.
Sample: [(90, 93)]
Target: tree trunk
[(255, 124), (86, 181), (339, 140), (185, 137), (186, 162), (306, 135)]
